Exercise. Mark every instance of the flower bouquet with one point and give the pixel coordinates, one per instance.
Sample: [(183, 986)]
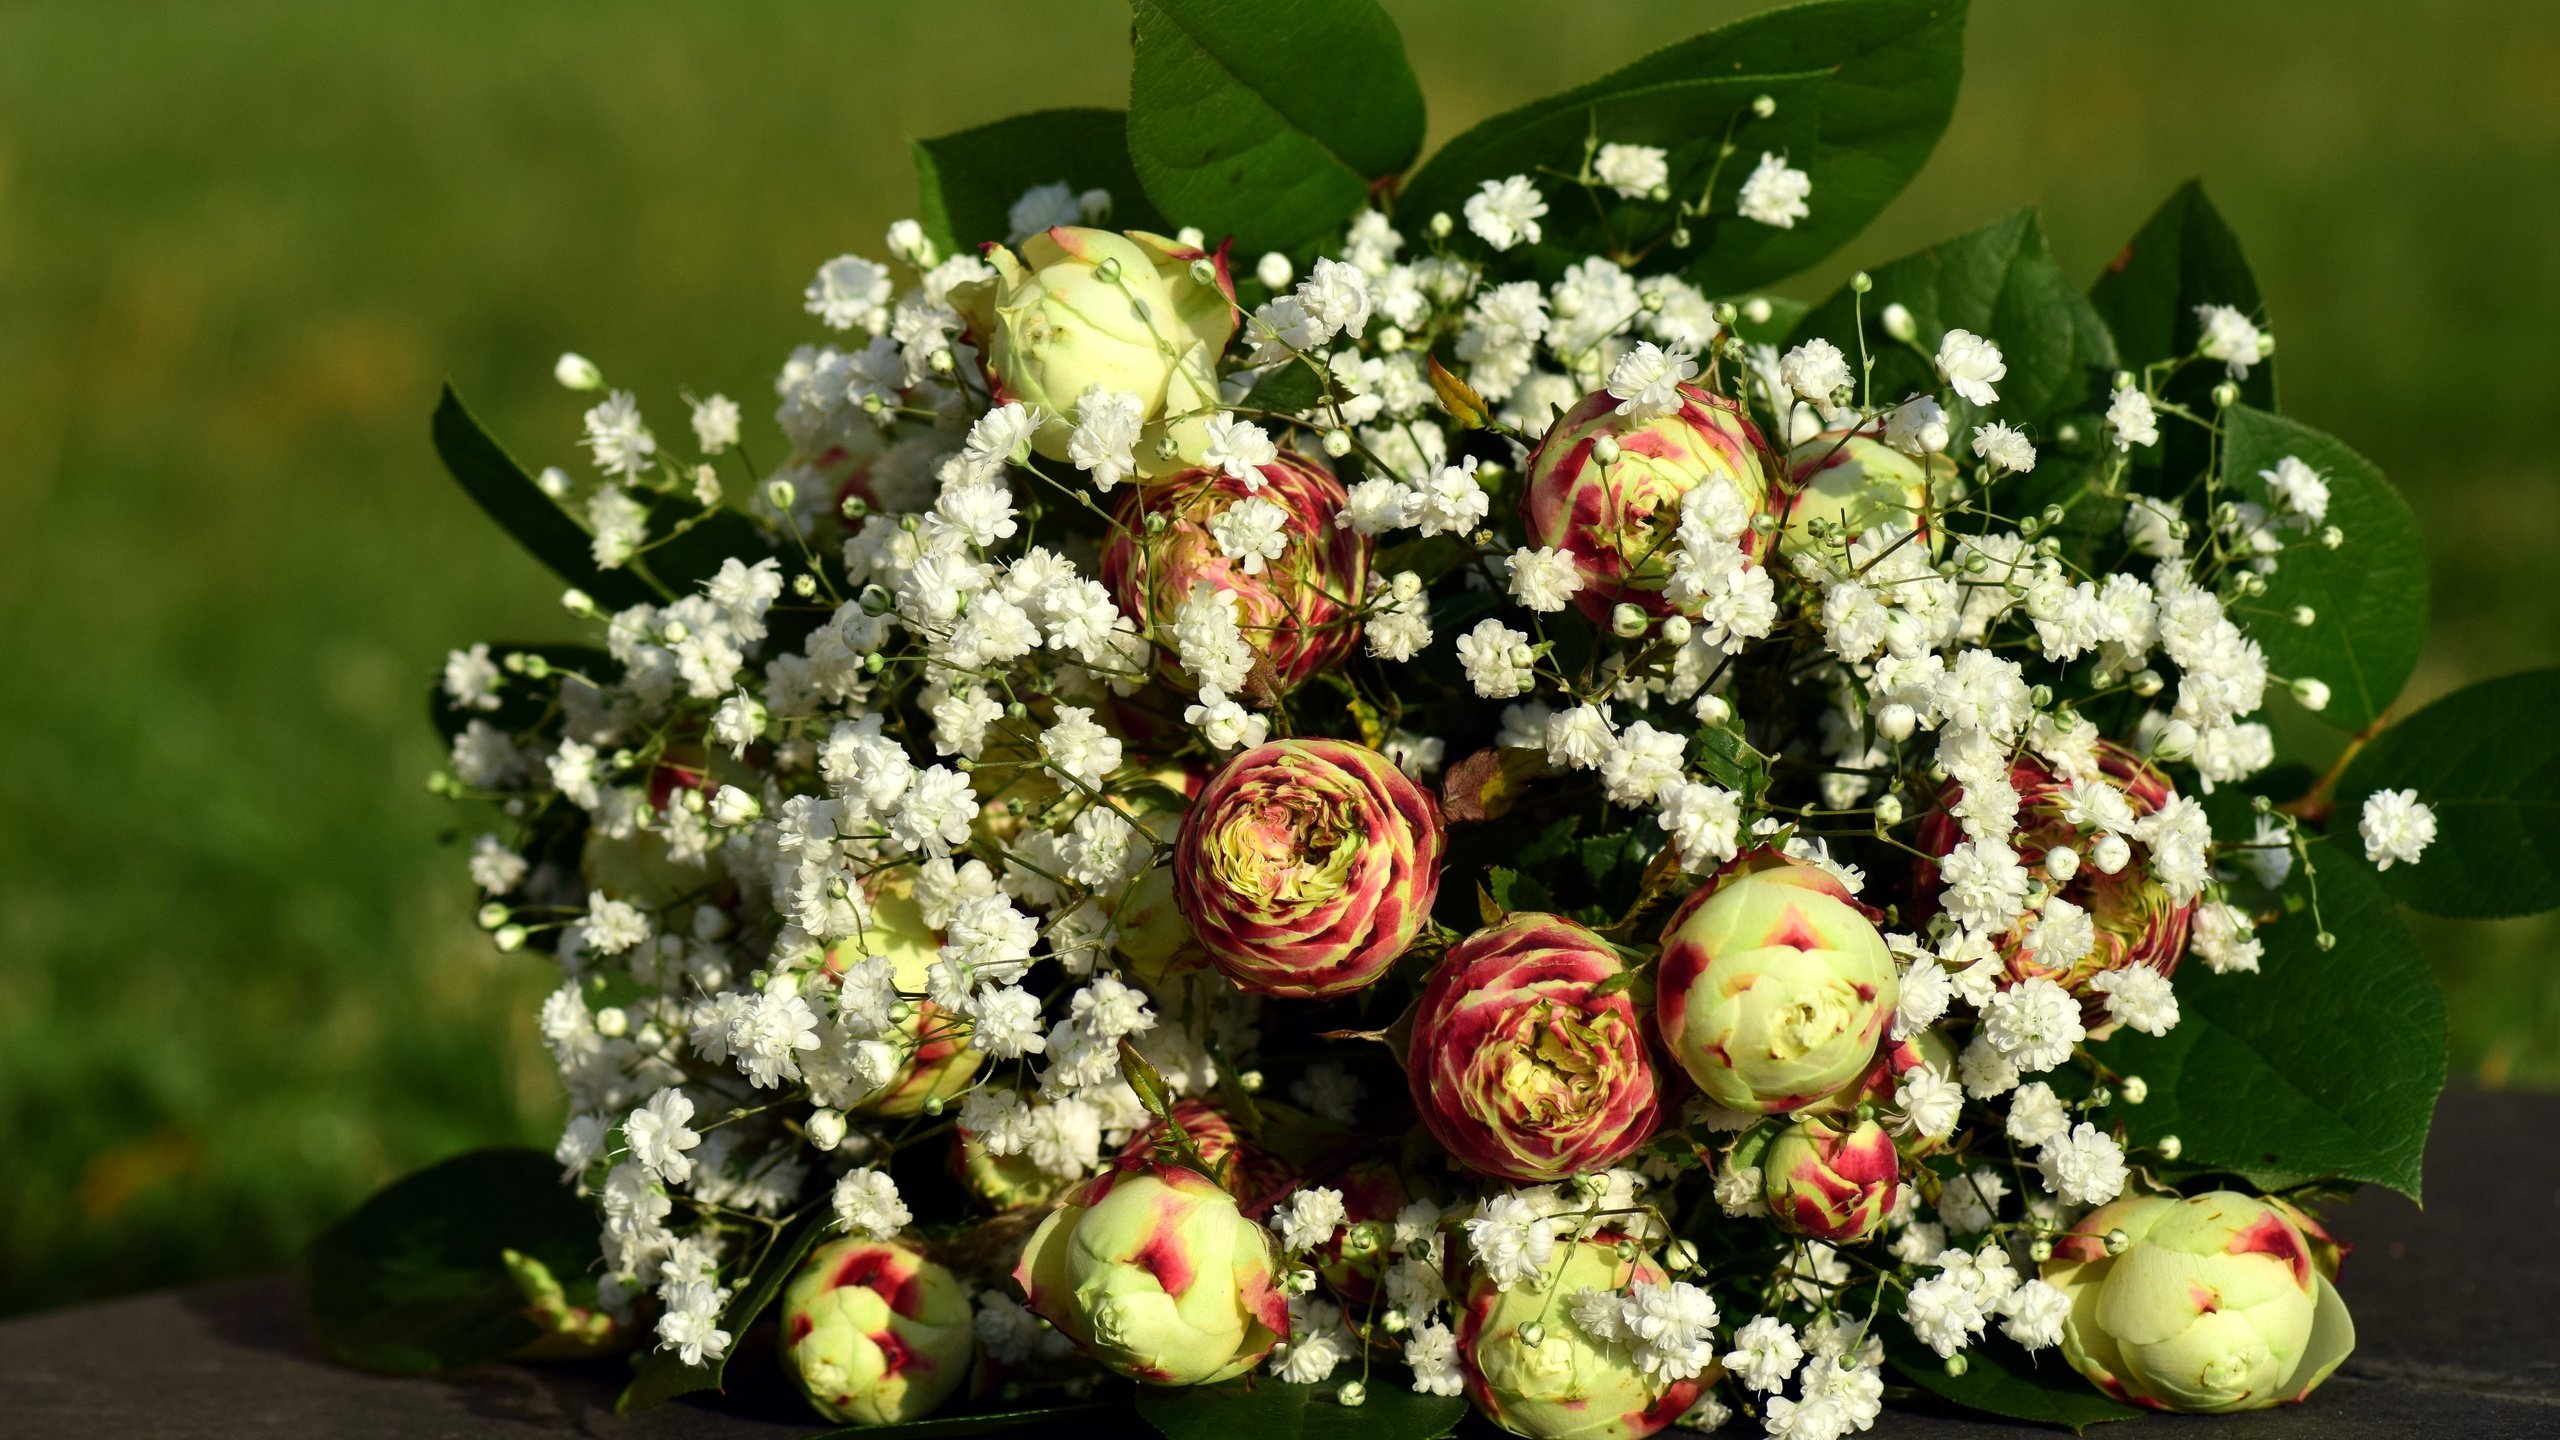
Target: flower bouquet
[(1298, 781)]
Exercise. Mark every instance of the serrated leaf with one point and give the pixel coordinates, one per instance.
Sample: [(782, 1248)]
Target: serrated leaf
[(1863, 89), (416, 1278), (967, 183), (1999, 281), (2486, 758), (1514, 891), (2323, 1064), (491, 476), (1268, 123), (1262, 1408), (2368, 596), (2001, 1379), (662, 1375)]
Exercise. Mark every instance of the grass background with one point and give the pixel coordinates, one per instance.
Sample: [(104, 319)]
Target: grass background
[(241, 244)]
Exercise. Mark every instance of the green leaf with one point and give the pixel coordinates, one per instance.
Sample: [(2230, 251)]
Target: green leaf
[(1999, 281), (2369, 596), (1081, 1414), (1268, 122), (967, 183), (689, 556), (662, 1375), (1292, 388), (1863, 89), (2185, 256), (2323, 1064), (1261, 1408), (1514, 891), (484, 468), (2001, 1379), (415, 1279), (2487, 758)]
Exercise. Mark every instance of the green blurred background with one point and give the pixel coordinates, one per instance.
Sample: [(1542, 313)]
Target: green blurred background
[(240, 244)]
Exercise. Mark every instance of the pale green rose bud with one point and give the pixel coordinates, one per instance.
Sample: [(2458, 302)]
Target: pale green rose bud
[(1531, 1368), (1077, 307), (1152, 1270), (2213, 1303), (1847, 483), (874, 1333), (1774, 987), (1831, 1180)]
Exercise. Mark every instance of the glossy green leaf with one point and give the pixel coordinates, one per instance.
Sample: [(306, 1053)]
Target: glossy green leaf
[(1863, 90), (1268, 122), (2368, 597), (1999, 281), (2326, 1063), (1292, 388), (1261, 1408), (2001, 1379), (966, 184), (491, 476), (415, 1278), (2487, 759), (662, 1375), (2184, 257)]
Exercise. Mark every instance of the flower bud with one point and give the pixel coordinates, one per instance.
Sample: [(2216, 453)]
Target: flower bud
[(1522, 1068), (2210, 1304), (576, 372), (874, 1333), (1830, 1182), (2312, 694), (1850, 482), (826, 1128), (1152, 1270), (1274, 270), (1606, 488), (1627, 622), (1078, 307), (1774, 988), (1307, 866), (1899, 324), (1294, 610), (1532, 1370)]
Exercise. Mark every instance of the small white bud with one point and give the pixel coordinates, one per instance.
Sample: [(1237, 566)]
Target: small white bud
[(2169, 1147), (1888, 812), (1274, 271), (826, 1128), (1764, 106), (578, 602), (1676, 630), (1899, 324), (2134, 1089), (2062, 862), (1714, 709), (1441, 225), (613, 1022), (1896, 721), (2111, 853), (781, 495), (1337, 443), (2313, 694), (1628, 621), (577, 372), (1756, 310), (1352, 1393), (1604, 450)]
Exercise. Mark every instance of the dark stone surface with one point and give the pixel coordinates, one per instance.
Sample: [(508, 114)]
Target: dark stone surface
[(2455, 1313)]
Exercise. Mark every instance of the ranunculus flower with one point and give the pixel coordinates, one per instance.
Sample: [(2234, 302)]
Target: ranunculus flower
[(1774, 988), (874, 1333), (2217, 1305), (1830, 1179), (1307, 866), (1521, 1067), (1617, 520), (939, 1058), (1079, 307), (1153, 1271), (2135, 920), (1533, 1371), (1295, 610), (1854, 481)]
